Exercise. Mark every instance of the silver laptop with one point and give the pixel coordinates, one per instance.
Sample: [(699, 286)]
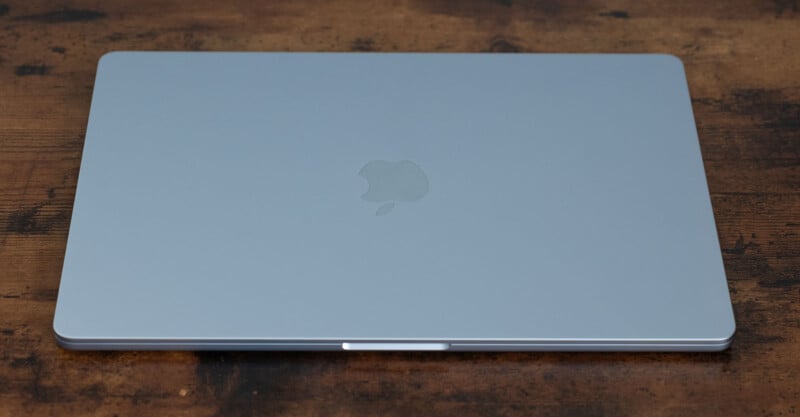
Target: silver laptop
[(318, 201)]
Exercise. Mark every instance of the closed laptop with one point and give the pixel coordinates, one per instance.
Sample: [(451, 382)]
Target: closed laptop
[(329, 201)]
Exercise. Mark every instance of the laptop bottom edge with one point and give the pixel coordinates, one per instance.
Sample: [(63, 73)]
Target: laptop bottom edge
[(455, 346)]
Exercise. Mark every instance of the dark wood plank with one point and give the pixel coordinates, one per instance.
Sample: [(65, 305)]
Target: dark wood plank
[(742, 63)]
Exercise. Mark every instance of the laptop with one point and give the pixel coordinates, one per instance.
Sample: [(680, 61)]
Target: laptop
[(338, 201)]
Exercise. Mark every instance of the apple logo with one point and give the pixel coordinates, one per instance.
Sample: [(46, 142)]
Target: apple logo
[(390, 182)]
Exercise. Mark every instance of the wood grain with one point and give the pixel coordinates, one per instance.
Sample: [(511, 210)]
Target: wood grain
[(743, 63)]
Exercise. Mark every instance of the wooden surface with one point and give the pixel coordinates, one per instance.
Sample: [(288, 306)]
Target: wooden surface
[(743, 65)]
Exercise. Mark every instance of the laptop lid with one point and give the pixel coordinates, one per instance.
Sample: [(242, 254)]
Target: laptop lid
[(392, 201)]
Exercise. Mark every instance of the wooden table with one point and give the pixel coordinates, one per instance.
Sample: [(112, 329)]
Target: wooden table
[(743, 65)]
